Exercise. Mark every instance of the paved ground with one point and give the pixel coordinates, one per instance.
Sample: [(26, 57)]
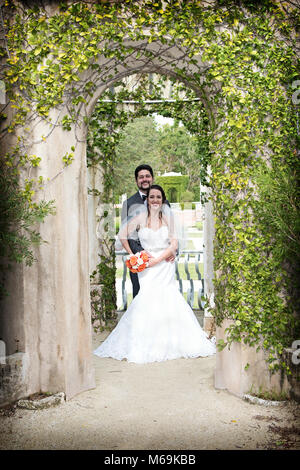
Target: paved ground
[(160, 406)]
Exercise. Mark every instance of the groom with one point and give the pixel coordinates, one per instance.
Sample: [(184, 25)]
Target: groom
[(144, 179)]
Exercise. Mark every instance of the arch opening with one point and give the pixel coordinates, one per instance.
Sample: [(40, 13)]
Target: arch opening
[(130, 100)]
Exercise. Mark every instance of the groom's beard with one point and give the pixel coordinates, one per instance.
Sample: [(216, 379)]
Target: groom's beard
[(144, 186)]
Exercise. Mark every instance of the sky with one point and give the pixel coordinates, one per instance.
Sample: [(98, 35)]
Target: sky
[(161, 120)]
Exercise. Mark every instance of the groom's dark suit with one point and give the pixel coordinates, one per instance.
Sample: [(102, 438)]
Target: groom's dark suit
[(130, 208)]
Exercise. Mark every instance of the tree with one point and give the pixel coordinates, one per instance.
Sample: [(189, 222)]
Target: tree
[(178, 153), (138, 144), (166, 148)]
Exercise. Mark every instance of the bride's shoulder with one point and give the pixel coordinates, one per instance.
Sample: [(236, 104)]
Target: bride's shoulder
[(165, 220)]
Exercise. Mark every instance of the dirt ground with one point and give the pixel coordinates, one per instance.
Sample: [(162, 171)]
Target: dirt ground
[(160, 406)]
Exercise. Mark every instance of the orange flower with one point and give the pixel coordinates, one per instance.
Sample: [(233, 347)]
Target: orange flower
[(137, 263), (144, 256), (133, 260)]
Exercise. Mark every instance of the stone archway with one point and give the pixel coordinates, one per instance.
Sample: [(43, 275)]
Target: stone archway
[(51, 315), (56, 289)]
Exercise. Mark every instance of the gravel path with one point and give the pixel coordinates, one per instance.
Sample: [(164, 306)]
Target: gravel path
[(160, 406)]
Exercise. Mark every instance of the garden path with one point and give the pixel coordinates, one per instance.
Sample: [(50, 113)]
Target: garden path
[(162, 406)]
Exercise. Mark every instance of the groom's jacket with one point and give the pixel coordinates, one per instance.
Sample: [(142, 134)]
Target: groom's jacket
[(130, 209)]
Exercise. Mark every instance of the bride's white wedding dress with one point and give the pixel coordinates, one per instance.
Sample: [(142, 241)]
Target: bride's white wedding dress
[(159, 324)]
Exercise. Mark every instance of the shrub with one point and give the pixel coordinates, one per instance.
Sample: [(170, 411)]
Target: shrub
[(187, 196), (17, 223)]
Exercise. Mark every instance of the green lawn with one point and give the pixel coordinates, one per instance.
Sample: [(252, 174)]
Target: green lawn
[(196, 235), (192, 270)]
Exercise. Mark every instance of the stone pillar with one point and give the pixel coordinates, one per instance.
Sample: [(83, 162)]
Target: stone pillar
[(49, 302), (230, 372), (13, 378)]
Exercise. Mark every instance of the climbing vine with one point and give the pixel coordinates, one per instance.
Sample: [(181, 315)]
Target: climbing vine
[(239, 60)]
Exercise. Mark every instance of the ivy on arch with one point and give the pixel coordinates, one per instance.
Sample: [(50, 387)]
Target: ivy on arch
[(240, 59)]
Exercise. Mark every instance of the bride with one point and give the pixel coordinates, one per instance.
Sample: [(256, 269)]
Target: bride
[(159, 324)]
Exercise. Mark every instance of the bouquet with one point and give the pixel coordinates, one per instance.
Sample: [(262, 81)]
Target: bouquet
[(138, 262)]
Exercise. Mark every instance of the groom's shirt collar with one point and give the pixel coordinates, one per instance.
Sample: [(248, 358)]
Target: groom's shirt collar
[(142, 194)]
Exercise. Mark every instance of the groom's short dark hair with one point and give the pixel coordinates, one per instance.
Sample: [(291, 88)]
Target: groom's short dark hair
[(142, 167)]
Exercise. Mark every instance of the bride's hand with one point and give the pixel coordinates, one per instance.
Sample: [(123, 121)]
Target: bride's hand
[(152, 262)]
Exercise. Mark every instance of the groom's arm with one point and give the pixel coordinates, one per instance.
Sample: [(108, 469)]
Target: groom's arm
[(134, 245)]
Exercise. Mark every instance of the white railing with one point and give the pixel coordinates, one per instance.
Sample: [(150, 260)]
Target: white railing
[(191, 282)]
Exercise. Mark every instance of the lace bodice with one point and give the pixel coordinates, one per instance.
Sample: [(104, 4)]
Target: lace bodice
[(154, 240)]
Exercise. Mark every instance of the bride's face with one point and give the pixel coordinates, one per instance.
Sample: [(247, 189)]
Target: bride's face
[(155, 199)]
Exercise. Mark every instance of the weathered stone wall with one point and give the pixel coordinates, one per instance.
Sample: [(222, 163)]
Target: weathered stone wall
[(13, 378), (291, 357), (230, 372), (48, 309)]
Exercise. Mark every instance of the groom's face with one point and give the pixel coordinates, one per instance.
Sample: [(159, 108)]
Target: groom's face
[(144, 180)]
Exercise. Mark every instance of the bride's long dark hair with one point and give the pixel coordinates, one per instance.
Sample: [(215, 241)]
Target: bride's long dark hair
[(159, 188)]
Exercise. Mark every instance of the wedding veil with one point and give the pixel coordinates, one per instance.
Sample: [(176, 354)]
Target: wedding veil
[(137, 219)]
